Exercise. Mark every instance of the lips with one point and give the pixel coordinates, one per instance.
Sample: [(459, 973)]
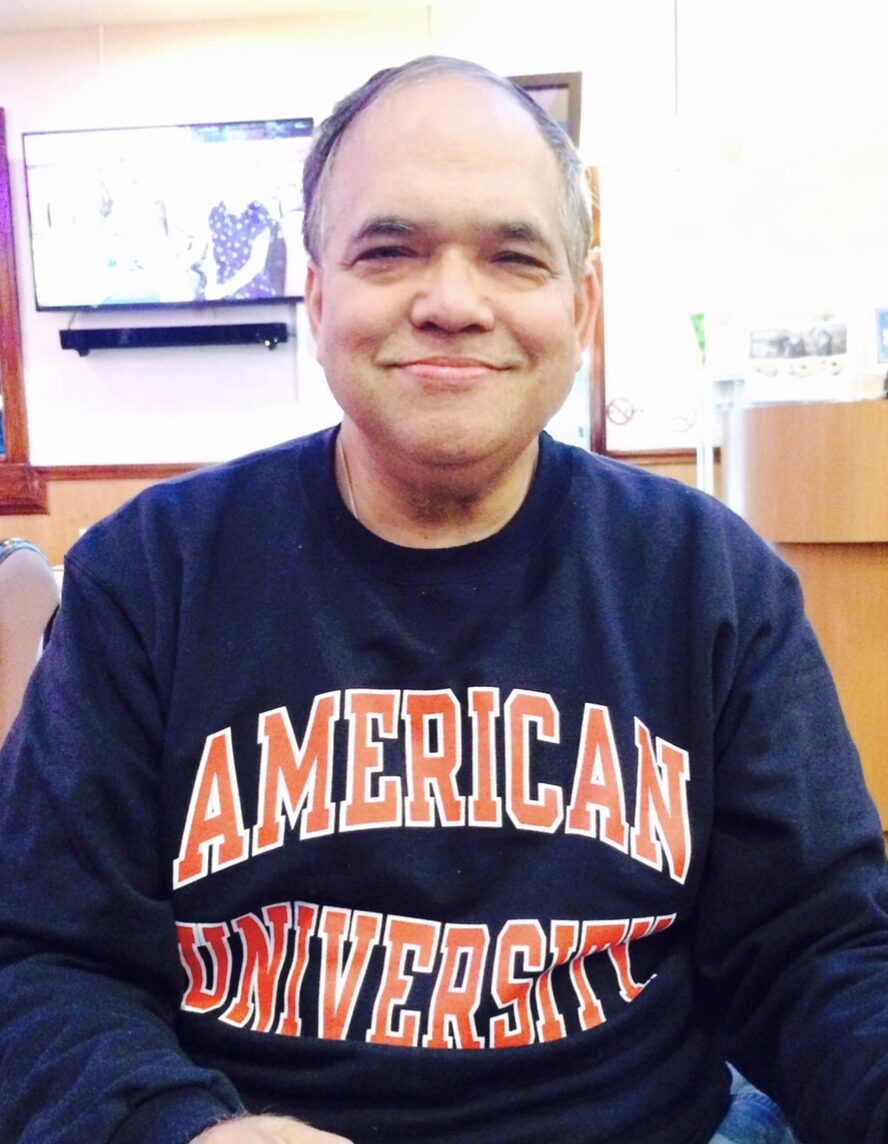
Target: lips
[(449, 368)]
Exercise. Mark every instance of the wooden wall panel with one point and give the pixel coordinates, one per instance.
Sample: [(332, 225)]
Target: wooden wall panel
[(71, 506), (846, 598), (812, 480)]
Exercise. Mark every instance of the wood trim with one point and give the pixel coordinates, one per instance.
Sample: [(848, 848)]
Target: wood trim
[(597, 399), (23, 487), (156, 472), (656, 456), (175, 469), (20, 487), (15, 422)]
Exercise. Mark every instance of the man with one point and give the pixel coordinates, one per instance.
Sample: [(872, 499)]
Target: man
[(426, 780)]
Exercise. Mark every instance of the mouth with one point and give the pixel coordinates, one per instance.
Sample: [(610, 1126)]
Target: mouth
[(440, 368)]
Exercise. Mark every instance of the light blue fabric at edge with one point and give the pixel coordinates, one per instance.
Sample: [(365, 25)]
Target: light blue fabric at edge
[(753, 1118)]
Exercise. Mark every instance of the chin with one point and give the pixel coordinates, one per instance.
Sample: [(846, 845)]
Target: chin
[(471, 452)]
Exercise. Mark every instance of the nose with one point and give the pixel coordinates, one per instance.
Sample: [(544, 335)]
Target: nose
[(451, 295)]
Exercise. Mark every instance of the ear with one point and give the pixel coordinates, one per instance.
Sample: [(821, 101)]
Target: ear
[(314, 300), (588, 303)]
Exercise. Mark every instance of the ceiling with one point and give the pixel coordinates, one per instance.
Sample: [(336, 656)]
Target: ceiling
[(23, 15)]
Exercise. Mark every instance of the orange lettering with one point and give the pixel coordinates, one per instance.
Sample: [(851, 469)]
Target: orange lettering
[(597, 936), (458, 989), (304, 918), (402, 936), (512, 992), (361, 808), (550, 1023), (288, 771), (598, 786), (433, 769), (545, 812), (486, 807), (661, 805), (340, 988), (264, 951), (199, 996), (214, 825)]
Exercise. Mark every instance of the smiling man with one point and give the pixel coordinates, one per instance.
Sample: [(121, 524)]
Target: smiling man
[(447, 312), (424, 779)]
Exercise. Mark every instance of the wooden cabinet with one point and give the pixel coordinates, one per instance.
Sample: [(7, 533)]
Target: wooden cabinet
[(813, 480)]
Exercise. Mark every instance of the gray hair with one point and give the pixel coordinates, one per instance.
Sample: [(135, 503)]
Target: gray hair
[(576, 209)]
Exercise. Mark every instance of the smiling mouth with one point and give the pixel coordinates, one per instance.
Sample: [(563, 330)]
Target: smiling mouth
[(441, 368)]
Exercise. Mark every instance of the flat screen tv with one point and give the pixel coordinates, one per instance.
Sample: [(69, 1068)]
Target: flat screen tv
[(195, 215)]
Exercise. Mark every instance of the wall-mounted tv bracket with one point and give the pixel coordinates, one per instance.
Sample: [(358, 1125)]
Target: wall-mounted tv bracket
[(268, 334)]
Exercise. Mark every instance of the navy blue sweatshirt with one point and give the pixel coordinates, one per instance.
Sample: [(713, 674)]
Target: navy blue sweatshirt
[(515, 841)]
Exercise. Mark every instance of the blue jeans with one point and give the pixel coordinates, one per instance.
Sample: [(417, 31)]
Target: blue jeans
[(753, 1118)]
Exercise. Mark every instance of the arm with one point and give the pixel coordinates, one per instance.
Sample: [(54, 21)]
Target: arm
[(793, 921), (88, 960)]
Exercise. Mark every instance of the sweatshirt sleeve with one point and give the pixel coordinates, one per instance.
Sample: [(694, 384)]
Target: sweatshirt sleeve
[(793, 912), (89, 971)]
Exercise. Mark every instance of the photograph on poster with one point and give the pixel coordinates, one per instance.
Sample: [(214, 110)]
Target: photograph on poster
[(882, 335), (798, 361)]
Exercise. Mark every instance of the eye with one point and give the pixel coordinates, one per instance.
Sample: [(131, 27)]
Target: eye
[(520, 259), (521, 268), (384, 253), (513, 256)]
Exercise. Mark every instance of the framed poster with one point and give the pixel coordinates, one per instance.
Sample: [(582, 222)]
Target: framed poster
[(559, 95)]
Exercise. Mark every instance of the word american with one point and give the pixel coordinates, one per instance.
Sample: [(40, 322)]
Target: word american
[(295, 778)]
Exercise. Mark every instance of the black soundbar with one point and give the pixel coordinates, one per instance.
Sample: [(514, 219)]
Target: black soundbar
[(138, 337)]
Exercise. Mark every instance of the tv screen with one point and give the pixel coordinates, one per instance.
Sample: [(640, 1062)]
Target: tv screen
[(167, 216)]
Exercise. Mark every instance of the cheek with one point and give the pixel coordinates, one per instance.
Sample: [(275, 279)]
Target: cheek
[(347, 348), (356, 329), (556, 355), (549, 330)]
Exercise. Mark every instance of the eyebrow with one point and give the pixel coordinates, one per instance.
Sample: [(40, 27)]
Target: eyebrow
[(521, 232), (397, 226), (385, 226)]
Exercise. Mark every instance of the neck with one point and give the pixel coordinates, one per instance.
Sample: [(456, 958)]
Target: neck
[(438, 509)]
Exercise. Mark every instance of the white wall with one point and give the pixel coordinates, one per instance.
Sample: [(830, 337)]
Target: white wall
[(765, 207), (748, 183), (198, 404)]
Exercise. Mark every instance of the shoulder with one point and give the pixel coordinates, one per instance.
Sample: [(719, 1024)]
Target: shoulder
[(202, 515), (647, 524), (648, 500)]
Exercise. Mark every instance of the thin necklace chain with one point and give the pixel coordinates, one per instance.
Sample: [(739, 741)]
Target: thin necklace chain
[(348, 481)]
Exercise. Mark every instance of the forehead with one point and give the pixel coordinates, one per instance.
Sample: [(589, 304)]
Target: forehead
[(449, 144)]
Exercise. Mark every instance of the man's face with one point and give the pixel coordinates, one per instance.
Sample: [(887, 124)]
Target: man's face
[(443, 308)]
